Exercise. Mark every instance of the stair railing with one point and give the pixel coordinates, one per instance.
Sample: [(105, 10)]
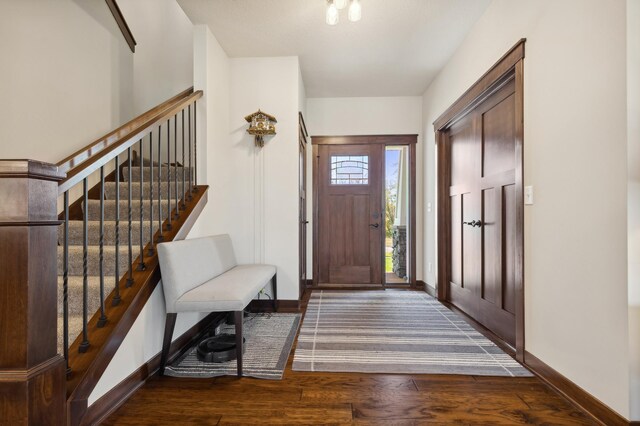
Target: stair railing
[(107, 153)]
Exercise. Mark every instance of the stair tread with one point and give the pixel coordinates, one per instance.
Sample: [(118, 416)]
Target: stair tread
[(76, 232)]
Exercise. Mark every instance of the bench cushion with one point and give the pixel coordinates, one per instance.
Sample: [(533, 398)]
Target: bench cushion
[(188, 264), (231, 291)]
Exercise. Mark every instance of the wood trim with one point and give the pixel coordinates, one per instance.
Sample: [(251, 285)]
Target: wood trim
[(30, 169), (314, 185), (443, 219), (427, 288), (413, 189), (266, 305), (365, 140), (87, 368), (482, 85), (578, 396), (510, 66), (113, 148), (122, 24), (105, 141), (519, 195), (119, 394)]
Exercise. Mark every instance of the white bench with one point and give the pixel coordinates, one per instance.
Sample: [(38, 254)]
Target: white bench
[(202, 275)]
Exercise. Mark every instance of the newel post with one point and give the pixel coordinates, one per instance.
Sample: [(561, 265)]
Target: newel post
[(32, 374)]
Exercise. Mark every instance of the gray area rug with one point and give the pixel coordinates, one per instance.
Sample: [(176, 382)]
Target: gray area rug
[(269, 338), (394, 332)]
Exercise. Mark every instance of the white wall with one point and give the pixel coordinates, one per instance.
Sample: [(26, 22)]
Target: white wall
[(163, 61), (633, 144), (368, 116), (263, 187), (575, 157), (65, 80), (633, 117)]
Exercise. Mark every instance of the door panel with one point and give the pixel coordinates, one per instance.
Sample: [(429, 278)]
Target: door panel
[(483, 189), (492, 239), (350, 250), (509, 229)]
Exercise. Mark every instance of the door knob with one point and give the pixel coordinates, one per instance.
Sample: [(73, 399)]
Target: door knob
[(374, 225), (477, 223)]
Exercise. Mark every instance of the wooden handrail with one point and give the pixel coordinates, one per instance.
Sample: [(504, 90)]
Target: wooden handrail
[(107, 148), (106, 140), (122, 24)]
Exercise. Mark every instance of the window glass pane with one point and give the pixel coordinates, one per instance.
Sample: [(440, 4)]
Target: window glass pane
[(349, 170)]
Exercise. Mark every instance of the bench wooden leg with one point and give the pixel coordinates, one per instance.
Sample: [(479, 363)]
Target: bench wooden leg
[(238, 318), (169, 325), (274, 284)]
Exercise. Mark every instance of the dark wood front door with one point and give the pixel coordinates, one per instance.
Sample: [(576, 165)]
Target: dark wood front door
[(482, 195), (350, 221)]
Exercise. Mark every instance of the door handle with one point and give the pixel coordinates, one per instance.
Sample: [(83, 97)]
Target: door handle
[(477, 223), (305, 222), (374, 225)]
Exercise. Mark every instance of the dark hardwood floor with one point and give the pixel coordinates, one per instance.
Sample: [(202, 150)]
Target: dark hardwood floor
[(348, 398)]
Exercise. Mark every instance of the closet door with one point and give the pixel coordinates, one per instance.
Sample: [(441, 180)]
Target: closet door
[(483, 213)]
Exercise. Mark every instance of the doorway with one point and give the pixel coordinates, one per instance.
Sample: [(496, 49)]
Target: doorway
[(355, 215), (480, 201)]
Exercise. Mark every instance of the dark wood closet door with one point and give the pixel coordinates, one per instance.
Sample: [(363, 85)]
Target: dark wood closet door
[(483, 213), (350, 222)]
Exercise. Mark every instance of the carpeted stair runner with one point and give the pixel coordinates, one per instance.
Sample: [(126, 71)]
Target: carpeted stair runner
[(76, 237)]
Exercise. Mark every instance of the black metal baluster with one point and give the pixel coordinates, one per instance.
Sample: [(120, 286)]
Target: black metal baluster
[(175, 163), (84, 345), (116, 295), (188, 195), (160, 238), (183, 162), (130, 279), (151, 251), (195, 146), (65, 284), (103, 318), (169, 170), (141, 265)]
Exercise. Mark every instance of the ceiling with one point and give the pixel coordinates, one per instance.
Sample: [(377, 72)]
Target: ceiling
[(397, 48)]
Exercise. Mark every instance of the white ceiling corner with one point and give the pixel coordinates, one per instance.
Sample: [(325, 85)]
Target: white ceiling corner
[(397, 48)]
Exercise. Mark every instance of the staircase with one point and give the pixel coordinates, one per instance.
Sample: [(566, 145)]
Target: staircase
[(78, 242), (112, 230)]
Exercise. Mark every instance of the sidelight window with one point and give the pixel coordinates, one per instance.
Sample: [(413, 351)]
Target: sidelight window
[(349, 170)]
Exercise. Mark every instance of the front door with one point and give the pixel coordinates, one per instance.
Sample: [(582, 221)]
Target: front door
[(482, 280), (350, 214)]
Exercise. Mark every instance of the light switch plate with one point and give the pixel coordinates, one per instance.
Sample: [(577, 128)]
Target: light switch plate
[(428, 207), (528, 195)]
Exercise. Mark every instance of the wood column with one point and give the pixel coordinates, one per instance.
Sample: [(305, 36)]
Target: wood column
[(32, 373)]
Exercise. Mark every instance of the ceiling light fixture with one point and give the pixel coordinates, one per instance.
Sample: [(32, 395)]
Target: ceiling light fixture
[(334, 6), (355, 11), (332, 13)]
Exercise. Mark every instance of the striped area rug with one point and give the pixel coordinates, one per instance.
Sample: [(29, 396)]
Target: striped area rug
[(394, 332), (269, 338)]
